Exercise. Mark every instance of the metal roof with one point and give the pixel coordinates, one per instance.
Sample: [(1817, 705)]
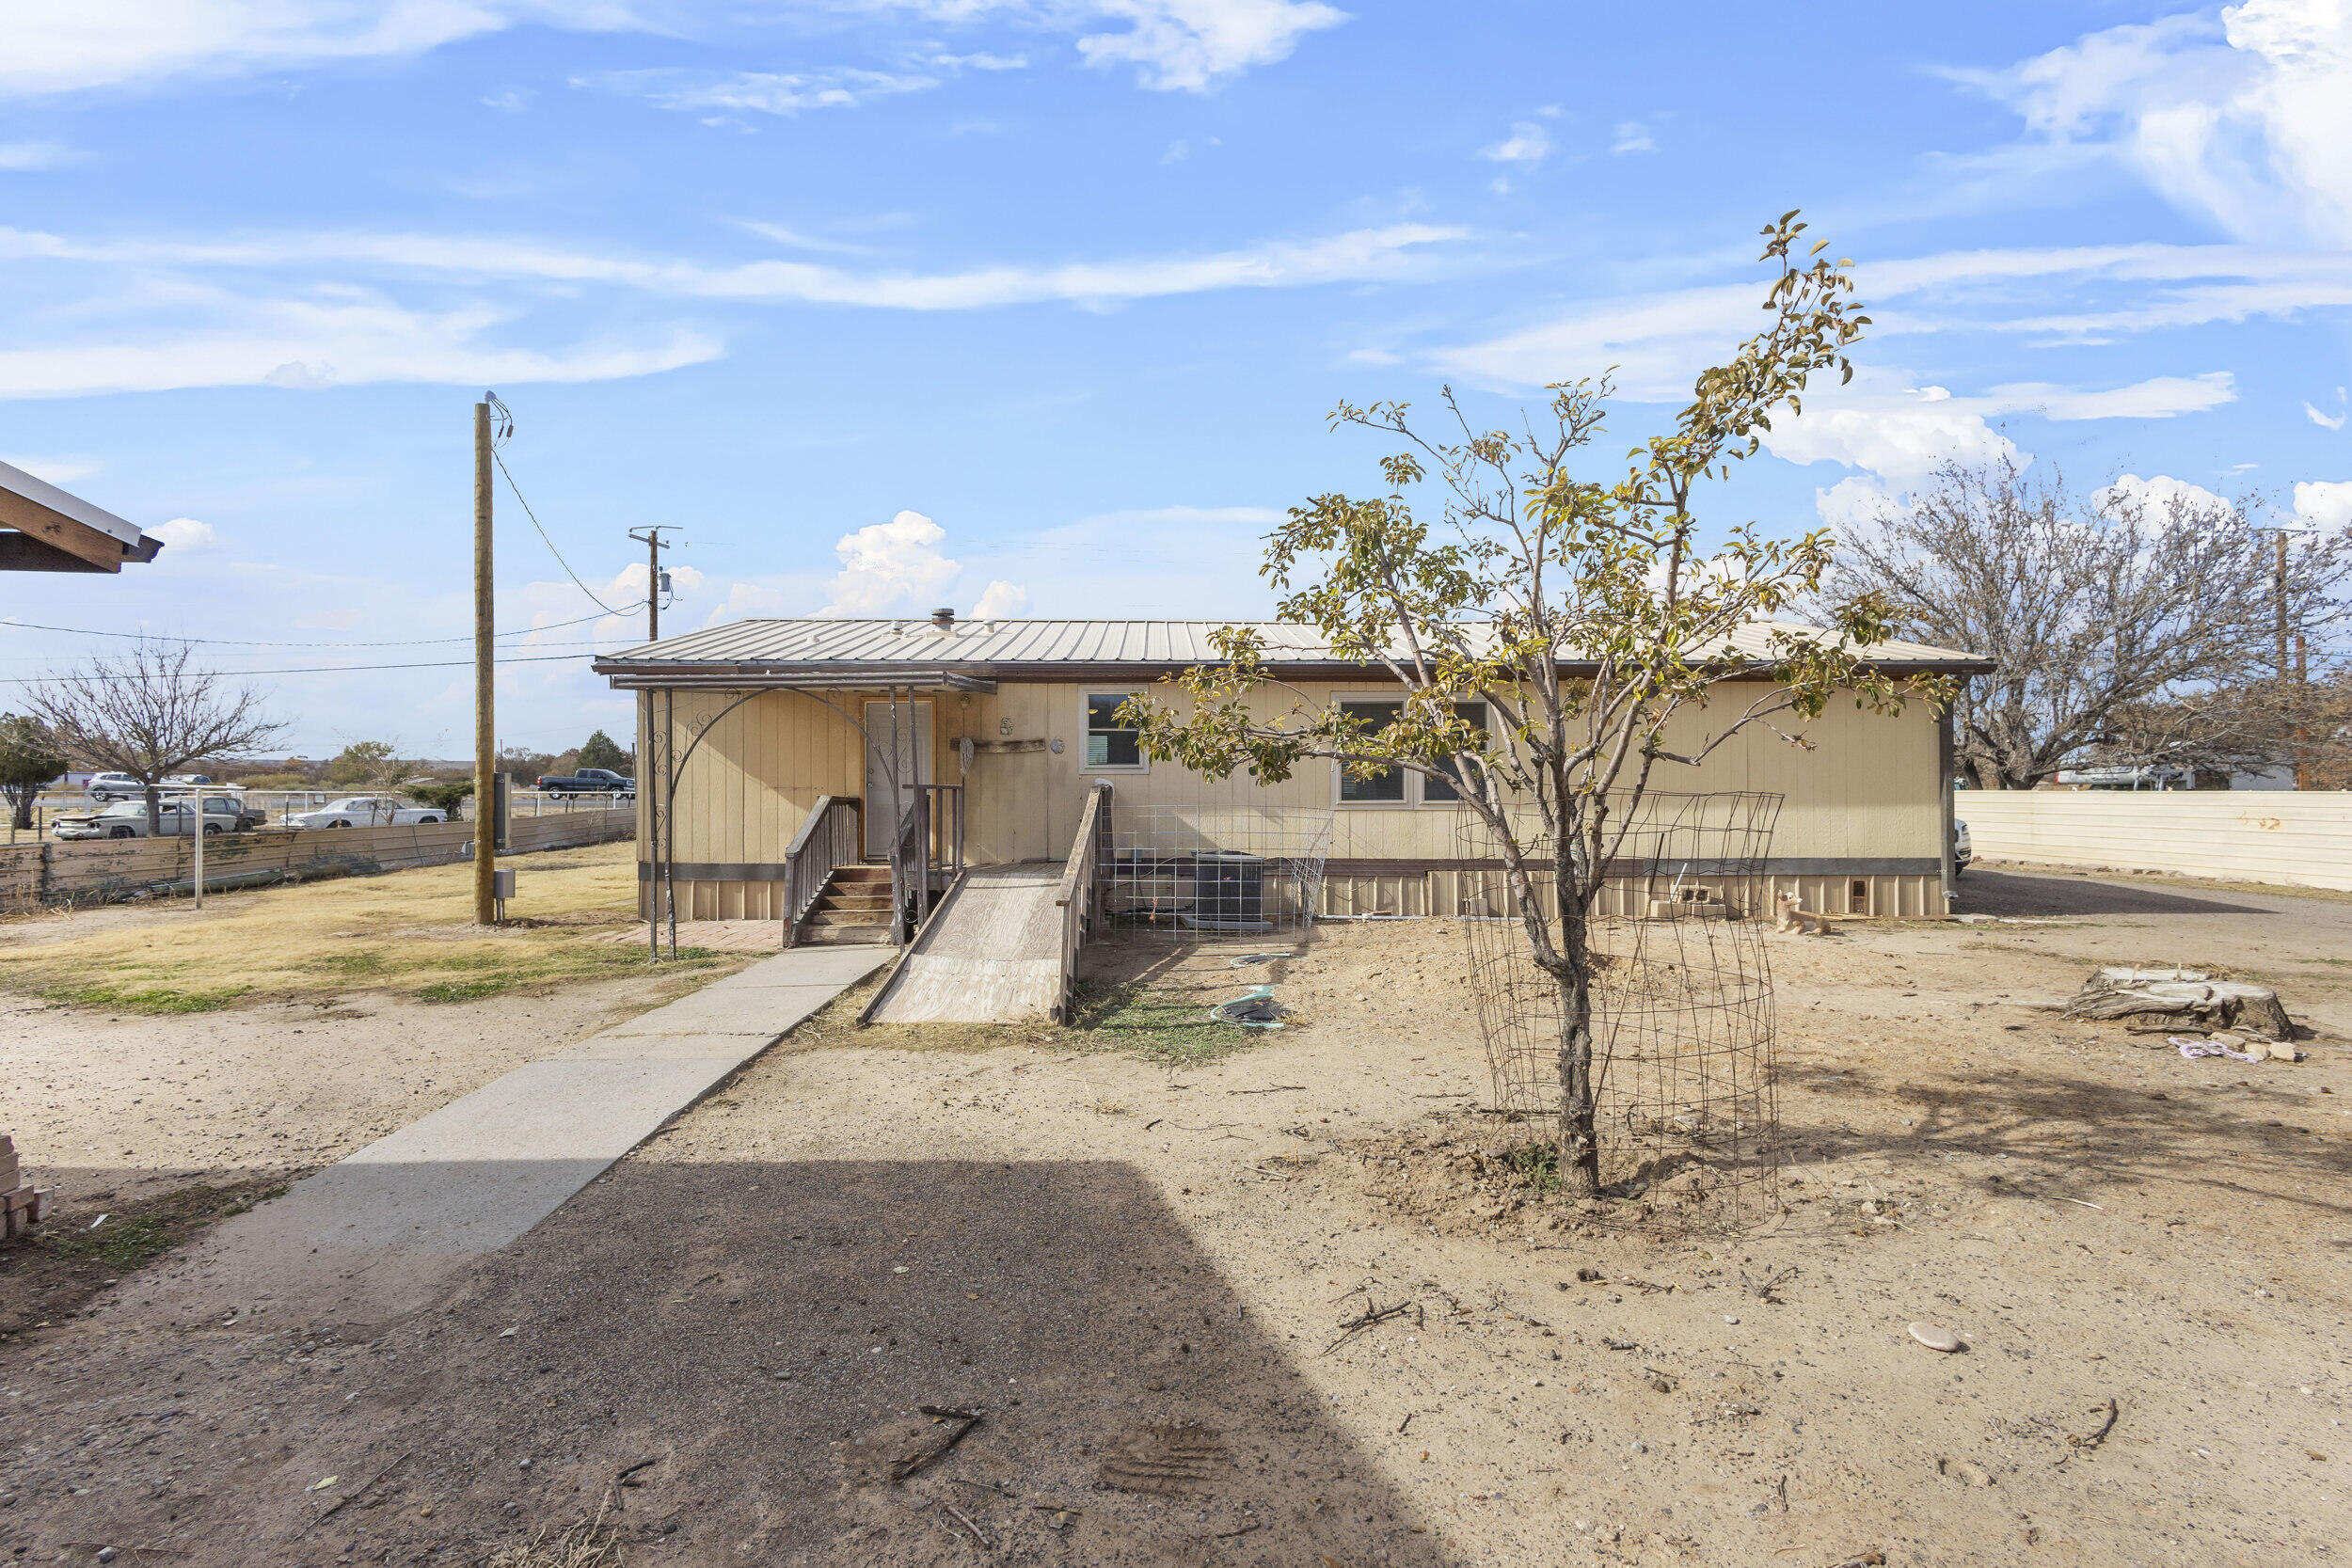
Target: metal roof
[(838, 649), (55, 530)]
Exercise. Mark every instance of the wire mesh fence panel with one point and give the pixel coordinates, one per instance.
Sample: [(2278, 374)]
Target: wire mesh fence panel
[(1207, 873), (1682, 1022)]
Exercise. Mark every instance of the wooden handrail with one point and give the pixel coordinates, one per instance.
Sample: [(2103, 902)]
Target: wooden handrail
[(1076, 894), (1079, 869), (809, 825)]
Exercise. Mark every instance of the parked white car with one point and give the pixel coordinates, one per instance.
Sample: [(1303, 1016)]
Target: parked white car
[(1963, 849), (366, 811), (128, 819), (114, 786)]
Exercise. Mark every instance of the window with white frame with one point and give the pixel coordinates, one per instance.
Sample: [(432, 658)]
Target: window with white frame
[(1400, 787), (1111, 745)]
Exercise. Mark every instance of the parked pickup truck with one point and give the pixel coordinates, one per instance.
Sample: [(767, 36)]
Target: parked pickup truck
[(366, 811), (223, 814), (588, 780)]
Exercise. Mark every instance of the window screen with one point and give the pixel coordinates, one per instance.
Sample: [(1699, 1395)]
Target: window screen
[(1434, 791), (1109, 744), (1388, 785)]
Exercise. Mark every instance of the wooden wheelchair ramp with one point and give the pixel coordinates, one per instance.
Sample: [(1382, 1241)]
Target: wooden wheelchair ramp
[(990, 953)]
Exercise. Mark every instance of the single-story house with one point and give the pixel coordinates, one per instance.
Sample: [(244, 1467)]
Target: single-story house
[(1017, 715)]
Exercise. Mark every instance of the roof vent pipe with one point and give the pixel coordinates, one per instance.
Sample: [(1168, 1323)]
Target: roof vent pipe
[(944, 619)]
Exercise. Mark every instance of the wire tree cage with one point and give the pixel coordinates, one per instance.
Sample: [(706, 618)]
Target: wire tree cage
[(1206, 873), (1682, 1003)]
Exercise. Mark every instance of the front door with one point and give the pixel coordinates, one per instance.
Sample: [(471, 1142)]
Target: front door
[(912, 767)]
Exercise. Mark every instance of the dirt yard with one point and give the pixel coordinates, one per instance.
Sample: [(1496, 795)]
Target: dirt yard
[(1280, 1298), (164, 1066)]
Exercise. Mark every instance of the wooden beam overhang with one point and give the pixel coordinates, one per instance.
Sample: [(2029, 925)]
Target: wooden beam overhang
[(58, 533)]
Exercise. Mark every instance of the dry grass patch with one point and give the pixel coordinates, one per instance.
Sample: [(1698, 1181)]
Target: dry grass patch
[(409, 932)]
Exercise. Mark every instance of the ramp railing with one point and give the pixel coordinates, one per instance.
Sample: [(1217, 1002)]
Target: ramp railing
[(929, 849), (1077, 894), (828, 839)]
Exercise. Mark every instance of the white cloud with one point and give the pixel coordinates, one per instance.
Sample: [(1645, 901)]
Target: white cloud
[(2159, 397), (1886, 425), (1188, 45), (891, 566), (2327, 421), (1902, 433), (792, 239), (186, 535), (514, 101), (316, 343), (1852, 504), (2161, 497), (1357, 255), (1633, 136), (57, 470), (22, 157), (1000, 598), (2240, 118), (1173, 44), (1660, 342), (59, 48), (2324, 503), (1527, 143), (764, 92)]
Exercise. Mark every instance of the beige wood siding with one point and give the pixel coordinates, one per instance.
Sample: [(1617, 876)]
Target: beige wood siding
[(1865, 791)]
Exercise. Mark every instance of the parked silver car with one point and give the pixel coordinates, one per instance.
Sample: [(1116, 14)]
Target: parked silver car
[(366, 811), (223, 814), (114, 786)]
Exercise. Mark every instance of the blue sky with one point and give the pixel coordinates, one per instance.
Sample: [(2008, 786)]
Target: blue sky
[(1039, 305)]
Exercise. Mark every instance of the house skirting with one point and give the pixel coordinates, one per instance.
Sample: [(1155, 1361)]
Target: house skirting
[(1886, 889)]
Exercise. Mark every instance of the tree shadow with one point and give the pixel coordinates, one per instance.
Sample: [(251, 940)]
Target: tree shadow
[(751, 1345), (2083, 1130), (2019, 893)]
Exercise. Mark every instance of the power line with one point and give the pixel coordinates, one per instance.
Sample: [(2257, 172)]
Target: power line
[(304, 669), (549, 543), (256, 643)]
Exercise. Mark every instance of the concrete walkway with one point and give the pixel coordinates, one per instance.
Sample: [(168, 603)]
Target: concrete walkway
[(380, 1232)]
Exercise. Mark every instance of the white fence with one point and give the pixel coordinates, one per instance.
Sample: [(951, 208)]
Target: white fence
[(2301, 838), (275, 803)]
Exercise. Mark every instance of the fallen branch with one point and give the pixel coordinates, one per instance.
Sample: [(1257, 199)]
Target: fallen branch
[(967, 1525), (1371, 1316), (356, 1492), (1279, 1088), (2078, 1446), (915, 1463)]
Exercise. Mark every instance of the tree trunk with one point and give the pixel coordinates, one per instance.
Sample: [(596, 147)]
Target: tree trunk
[(21, 807), (1579, 1141), (154, 812)]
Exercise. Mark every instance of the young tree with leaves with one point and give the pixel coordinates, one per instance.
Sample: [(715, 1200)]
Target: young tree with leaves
[(149, 714), (1587, 616), (30, 759)]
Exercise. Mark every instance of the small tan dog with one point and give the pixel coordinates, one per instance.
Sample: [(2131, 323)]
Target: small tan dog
[(1789, 914)]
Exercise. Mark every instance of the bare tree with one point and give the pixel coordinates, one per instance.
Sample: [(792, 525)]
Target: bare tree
[(2115, 622), (148, 713), (1586, 616)]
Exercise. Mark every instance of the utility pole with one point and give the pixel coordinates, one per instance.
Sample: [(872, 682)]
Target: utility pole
[(651, 539), (485, 719)]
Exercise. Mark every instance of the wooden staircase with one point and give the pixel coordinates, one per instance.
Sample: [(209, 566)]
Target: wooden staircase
[(854, 907)]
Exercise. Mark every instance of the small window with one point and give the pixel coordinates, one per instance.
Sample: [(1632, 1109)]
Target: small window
[(1109, 743), (1443, 791), (1388, 787)]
